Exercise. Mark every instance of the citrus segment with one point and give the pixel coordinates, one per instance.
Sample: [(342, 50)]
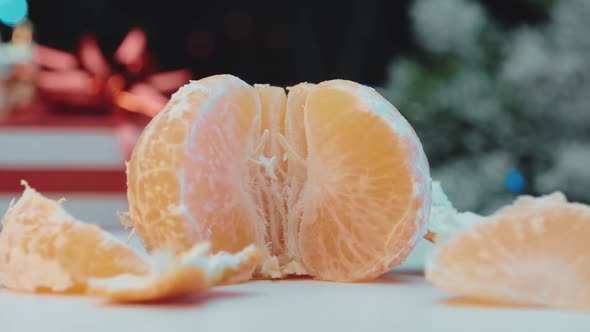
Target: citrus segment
[(294, 120), (43, 248), (366, 195), (534, 252), (295, 144), (187, 176), (273, 102), (269, 176), (215, 172)]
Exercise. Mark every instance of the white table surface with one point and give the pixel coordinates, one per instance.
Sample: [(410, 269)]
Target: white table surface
[(398, 301)]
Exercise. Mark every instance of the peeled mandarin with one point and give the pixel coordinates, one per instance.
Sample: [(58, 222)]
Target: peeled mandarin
[(329, 179)]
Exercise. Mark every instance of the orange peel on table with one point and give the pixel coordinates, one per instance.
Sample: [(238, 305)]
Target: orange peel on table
[(534, 252), (192, 272), (329, 180), (45, 249)]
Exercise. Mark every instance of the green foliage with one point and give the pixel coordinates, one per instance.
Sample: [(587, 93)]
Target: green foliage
[(516, 99)]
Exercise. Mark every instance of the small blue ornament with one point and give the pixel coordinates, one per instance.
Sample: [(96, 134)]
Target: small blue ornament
[(13, 12), (515, 181)]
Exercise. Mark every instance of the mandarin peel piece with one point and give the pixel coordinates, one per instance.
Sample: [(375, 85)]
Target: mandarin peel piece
[(533, 252), (430, 236), (444, 219), (77, 258), (39, 235), (192, 272)]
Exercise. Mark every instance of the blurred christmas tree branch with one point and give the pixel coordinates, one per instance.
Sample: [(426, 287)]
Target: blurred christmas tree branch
[(489, 101)]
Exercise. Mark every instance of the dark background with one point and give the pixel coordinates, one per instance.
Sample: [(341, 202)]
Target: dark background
[(275, 42)]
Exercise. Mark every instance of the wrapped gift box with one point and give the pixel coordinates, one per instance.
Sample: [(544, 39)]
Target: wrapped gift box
[(81, 160)]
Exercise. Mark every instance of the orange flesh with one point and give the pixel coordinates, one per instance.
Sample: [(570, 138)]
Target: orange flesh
[(323, 184)]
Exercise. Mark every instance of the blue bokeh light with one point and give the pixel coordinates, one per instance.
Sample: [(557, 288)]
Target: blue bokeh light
[(515, 181), (13, 12)]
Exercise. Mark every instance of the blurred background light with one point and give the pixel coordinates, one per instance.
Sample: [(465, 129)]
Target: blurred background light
[(515, 181), (13, 12)]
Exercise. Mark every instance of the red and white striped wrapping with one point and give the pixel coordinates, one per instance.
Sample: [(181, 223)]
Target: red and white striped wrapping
[(82, 162)]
